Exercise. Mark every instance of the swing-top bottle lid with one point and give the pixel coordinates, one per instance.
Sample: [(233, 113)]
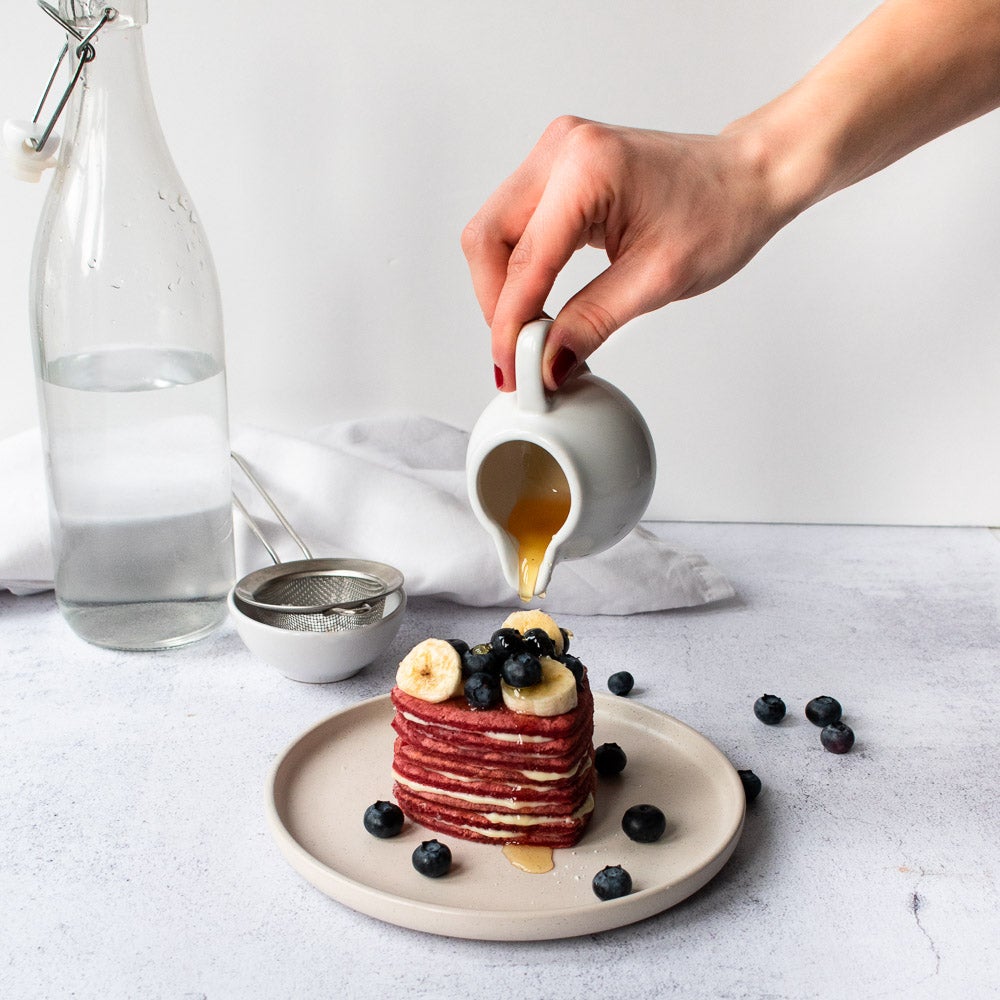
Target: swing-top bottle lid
[(84, 13), (21, 159), (28, 148)]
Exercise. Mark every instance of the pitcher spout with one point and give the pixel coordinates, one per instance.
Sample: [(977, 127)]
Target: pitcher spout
[(527, 572)]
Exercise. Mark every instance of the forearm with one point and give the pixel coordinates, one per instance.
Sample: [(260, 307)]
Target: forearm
[(679, 214), (910, 72)]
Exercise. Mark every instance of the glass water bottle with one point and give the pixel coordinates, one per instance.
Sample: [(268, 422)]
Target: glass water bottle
[(127, 333)]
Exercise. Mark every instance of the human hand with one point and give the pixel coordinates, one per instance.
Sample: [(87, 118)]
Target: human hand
[(677, 215)]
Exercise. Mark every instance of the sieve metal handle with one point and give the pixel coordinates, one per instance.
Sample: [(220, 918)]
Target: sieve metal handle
[(252, 524), (241, 462), (386, 578)]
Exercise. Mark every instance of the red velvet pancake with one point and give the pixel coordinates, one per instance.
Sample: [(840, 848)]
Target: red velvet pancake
[(541, 772), (458, 715), (489, 828), (493, 775), (509, 793)]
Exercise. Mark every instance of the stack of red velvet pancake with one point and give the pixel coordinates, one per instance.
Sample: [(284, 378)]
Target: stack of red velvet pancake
[(494, 775)]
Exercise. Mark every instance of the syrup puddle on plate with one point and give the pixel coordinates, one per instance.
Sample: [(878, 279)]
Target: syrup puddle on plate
[(534, 860)]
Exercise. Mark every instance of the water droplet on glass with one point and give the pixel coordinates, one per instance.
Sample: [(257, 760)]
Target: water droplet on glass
[(92, 263), (193, 217), (117, 283), (162, 195), (184, 201)]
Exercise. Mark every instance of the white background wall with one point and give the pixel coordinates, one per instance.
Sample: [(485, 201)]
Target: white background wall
[(850, 373)]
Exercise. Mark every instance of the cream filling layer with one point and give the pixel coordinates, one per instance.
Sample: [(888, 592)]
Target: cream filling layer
[(529, 776), (486, 800), (476, 800), (522, 821), (503, 737)]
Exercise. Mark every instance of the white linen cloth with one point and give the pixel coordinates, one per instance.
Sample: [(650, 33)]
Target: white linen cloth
[(390, 489)]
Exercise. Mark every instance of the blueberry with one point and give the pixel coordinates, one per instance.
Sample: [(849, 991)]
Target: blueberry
[(506, 642), (575, 667), (645, 823), (539, 642), (432, 859), (459, 645), (522, 670), (621, 683), (481, 657), (383, 819), (769, 708), (609, 759), (482, 690), (837, 737), (751, 784), (566, 636), (612, 882), (823, 710)]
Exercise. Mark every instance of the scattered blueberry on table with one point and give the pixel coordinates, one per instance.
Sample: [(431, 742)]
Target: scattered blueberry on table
[(644, 823), (837, 737), (611, 882), (769, 708), (432, 858), (751, 784), (621, 683), (823, 710), (609, 759), (383, 819)]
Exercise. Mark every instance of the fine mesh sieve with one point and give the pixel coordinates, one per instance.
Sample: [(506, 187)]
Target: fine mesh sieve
[(311, 595)]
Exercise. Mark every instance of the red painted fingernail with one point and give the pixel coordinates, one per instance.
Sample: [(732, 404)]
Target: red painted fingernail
[(563, 364), (498, 376)]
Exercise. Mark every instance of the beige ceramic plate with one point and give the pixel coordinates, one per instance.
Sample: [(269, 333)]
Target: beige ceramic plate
[(322, 784)]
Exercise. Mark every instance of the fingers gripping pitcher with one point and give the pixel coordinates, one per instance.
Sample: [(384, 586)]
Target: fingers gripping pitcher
[(557, 476), (127, 334)]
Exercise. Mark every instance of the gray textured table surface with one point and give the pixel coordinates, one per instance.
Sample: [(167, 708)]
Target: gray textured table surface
[(135, 859)]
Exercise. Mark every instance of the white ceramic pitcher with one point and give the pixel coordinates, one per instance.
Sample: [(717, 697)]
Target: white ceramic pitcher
[(586, 447)]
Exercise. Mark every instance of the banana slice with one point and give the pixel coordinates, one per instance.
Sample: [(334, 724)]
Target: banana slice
[(555, 694), (524, 620), (431, 671)]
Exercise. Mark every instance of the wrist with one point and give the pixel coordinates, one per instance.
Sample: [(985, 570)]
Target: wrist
[(790, 162), (908, 73)]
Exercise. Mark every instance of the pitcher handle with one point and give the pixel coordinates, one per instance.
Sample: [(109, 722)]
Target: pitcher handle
[(531, 394)]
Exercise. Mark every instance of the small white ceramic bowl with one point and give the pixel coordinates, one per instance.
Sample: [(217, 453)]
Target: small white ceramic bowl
[(319, 657)]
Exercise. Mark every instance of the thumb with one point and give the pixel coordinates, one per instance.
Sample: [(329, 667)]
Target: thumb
[(617, 295)]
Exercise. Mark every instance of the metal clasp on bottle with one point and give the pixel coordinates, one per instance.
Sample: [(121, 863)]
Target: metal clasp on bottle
[(84, 51)]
